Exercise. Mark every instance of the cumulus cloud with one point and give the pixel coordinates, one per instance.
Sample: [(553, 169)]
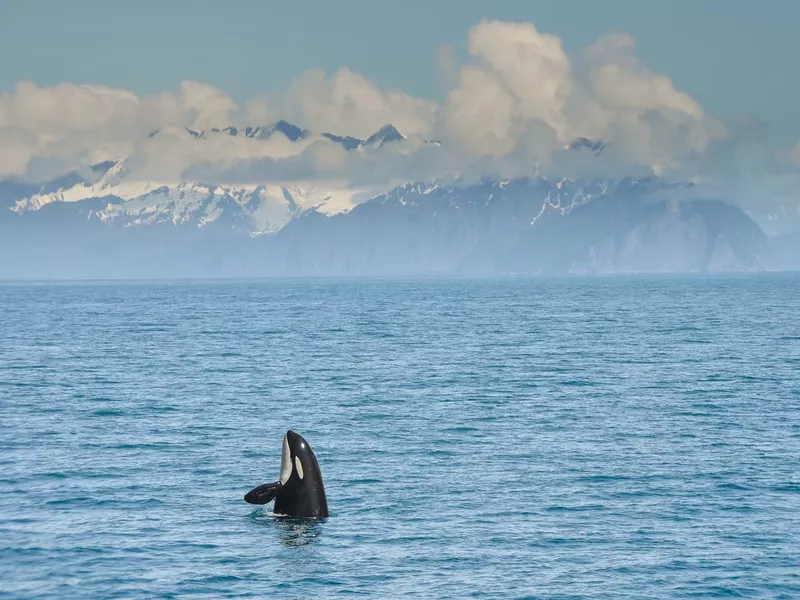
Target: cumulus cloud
[(621, 81), (518, 76), (166, 156), (345, 103), (59, 122), (636, 110), (521, 82), (377, 168), (17, 147), (514, 105), (209, 106), (76, 124)]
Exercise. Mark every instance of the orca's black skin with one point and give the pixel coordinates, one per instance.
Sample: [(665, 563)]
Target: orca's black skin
[(299, 491)]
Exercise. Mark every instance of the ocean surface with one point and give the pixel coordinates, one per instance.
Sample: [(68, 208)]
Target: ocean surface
[(623, 437)]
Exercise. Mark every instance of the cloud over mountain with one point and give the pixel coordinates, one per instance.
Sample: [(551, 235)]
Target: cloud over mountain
[(513, 107), (343, 102)]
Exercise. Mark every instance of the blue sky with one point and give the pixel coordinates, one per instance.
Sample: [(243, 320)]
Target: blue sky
[(735, 58)]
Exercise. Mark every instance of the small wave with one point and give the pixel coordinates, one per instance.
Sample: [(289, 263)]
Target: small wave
[(581, 508), (107, 412), (70, 501), (54, 475), (788, 487), (733, 486)]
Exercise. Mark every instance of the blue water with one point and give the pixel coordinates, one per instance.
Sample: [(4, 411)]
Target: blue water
[(567, 438)]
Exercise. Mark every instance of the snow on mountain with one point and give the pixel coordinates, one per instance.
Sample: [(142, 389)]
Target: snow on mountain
[(256, 208), (292, 132), (530, 226), (110, 183), (535, 225), (384, 135), (535, 197)]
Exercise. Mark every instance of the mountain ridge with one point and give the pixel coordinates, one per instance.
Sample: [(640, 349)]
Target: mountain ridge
[(385, 134), (532, 225)]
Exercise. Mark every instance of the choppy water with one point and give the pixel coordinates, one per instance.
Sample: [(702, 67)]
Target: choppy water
[(621, 437)]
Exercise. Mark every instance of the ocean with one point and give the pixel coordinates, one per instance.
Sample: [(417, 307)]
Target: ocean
[(608, 437)]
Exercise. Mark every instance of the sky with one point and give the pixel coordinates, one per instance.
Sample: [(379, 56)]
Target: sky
[(735, 58), (703, 89)]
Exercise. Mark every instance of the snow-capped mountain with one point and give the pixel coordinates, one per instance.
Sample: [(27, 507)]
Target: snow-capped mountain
[(255, 209), (386, 134), (292, 132), (107, 222), (526, 226)]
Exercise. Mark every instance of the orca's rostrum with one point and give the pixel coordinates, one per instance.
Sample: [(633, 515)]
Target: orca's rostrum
[(299, 491)]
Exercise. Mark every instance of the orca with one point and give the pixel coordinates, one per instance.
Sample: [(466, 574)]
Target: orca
[(299, 491)]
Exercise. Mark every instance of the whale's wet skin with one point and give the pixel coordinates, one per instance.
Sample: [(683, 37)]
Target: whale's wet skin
[(573, 438), (299, 491)]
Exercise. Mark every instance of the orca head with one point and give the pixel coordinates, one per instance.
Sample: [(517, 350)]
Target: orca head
[(299, 490), (302, 492), (297, 458)]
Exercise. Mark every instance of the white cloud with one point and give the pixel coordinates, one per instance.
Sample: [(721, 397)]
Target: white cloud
[(512, 108), (531, 65), (77, 124), (17, 147), (80, 123), (521, 81), (166, 156), (637, 111), (345, 103), (209, 106), (619, 80), (518, 75), (55, 111), (61, 122), (480, 114)]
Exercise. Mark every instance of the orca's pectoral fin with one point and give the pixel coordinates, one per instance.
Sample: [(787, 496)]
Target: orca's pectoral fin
[(263, 493)]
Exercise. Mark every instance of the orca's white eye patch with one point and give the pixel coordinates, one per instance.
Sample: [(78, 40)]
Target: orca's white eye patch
[(298, 467)]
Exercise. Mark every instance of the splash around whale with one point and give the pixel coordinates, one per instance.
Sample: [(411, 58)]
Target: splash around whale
[(299, 491)]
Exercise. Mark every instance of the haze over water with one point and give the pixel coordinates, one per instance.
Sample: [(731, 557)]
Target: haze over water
[(572, 438)]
